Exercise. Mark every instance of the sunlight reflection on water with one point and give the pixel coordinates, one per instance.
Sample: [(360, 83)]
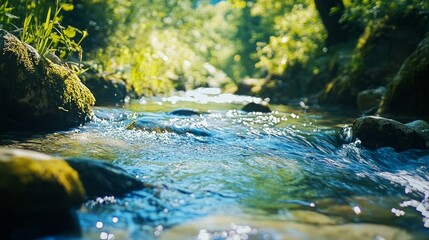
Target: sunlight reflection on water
[(212, 95), (285, 173)]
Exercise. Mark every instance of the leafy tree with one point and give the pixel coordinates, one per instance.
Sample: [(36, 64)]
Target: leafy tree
[(100, 18), (5, 14), (296, 37), (173, 43)]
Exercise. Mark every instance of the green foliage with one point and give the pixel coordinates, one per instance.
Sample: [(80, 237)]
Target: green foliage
[(298, 37), (173, 44), (39, 25), (379, 17), (48, 36), (277, 34), (366, 12), (5, 14), (20, 9), (160, 45), (100, 18)]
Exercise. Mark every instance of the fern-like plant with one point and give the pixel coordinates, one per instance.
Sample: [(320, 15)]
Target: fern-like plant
[(5, 14), (48, 36)]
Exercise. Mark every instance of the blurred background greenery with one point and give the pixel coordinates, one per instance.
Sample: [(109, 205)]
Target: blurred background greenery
[(160, 46)]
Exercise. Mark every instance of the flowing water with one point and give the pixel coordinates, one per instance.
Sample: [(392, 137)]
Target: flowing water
[(227, 174)]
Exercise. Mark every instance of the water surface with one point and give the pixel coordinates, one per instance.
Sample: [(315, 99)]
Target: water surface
[(227, 174)]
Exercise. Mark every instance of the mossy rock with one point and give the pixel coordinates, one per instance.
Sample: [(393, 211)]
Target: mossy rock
[(408, 95), (375, 60), (38, 193), (36, 93)]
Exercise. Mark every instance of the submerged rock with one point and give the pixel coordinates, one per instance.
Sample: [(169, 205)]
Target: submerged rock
[(38, 194), (101, 178), (376, 132), (256, 107), (184, 112), (37, 93)]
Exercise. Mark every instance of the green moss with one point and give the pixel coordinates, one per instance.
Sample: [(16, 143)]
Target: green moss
[(73, 95), (38, 195), (408, 93), (20, 50), (36, 93), (374, 61), (31, 180)]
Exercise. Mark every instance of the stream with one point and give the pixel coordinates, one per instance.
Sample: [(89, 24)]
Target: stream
[(228, 174)]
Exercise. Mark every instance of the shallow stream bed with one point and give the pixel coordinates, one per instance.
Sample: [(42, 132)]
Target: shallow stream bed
[(228, 174)]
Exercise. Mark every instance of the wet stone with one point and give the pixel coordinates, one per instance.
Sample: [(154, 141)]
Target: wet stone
[(256, 107), (377, 132), (184, 112), (38, 195), (102, 178)]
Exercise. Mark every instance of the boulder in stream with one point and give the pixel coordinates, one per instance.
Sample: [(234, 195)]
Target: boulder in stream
[(184, 112), (36, 93), (256, 107), (376, 132), (101, 178), (38, 195)]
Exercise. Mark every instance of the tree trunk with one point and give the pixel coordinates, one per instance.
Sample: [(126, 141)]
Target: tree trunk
[(330, 12)]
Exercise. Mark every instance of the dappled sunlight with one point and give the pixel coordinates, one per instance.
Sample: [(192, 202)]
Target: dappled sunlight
[(212, 95)]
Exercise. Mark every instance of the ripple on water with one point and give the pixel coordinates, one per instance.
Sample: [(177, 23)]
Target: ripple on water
[(275, 172), (247, 227)]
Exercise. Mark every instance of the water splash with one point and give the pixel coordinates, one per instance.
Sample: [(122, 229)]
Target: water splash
[(212, 95), (268, 165)]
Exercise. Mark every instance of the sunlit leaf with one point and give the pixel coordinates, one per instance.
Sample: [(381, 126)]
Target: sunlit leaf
[(11, 16), (70, 32), (55, 37), (48, 18), (31, 5), (63, 54), (67, 7)]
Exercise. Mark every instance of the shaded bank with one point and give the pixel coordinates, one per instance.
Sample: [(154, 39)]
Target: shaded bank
[(408, 92)]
